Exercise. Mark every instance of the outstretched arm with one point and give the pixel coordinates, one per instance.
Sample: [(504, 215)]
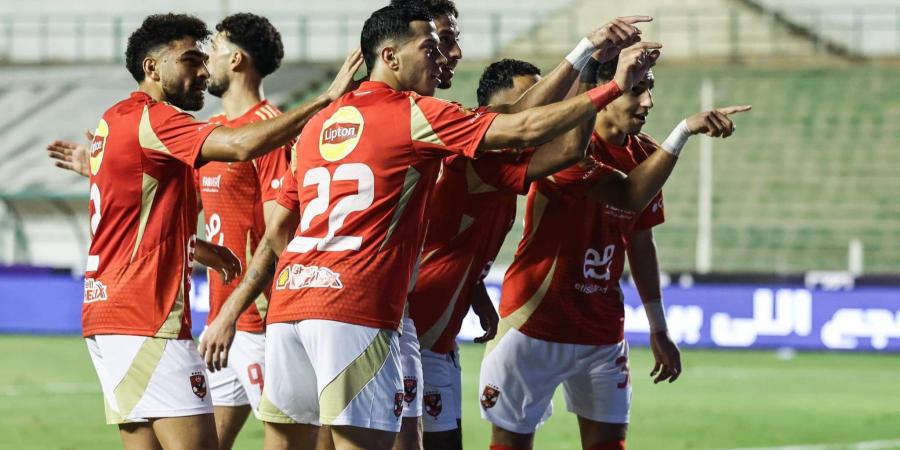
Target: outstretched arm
[(645, 270), (607, 41), (536, 126), (216, 341), (258, 138), (72, 156), (634, 191)]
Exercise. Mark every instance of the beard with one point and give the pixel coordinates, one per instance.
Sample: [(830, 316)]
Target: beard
[(187, 99), (218, 87)]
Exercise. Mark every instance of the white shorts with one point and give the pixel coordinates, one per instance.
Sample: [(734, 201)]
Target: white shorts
[(521, 373), (442, 399), (411, 366), (241, 383), (144, 377), (332, 373)]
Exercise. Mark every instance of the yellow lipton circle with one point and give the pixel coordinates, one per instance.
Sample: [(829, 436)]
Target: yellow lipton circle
[(98, 145), (283, 277), (340, 133)]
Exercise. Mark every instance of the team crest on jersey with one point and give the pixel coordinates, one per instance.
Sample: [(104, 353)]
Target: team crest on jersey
[(283, 278), (198, 384), (94, 291), (341, 133), (433, 403), (298, 276), (98, 145), (410, 389), (398, 404), (489, 396)]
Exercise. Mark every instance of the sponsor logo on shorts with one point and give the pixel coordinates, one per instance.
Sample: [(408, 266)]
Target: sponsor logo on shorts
[(433, 403), (410, 389), (398, 403), (198, 384), (94, 291), (341, 133), (489, 396), (298, 276)]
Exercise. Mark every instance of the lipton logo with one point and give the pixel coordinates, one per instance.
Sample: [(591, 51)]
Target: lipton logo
[(98, 145), (341, 133)]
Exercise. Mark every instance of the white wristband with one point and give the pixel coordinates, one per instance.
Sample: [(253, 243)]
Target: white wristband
[(580, 56), (656, 315), (676, 140)]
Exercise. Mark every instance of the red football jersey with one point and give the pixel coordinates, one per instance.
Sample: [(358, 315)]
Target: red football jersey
[(232, 195), (365, 167), (563, 284), (471, 209), (626, 158), (143, 211)]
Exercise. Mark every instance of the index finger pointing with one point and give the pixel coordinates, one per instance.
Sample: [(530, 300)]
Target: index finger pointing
[(636, 19), (646, 46), (734, 109)]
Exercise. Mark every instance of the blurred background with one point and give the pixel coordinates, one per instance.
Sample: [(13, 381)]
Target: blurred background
[(783, 241)]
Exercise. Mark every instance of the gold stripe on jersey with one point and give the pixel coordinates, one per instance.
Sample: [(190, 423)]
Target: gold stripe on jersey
[(261, 114), (419, 127), (428, 338), (409, 186), (148, 193), (262, 303), (517, 318), (272, 112), (537, 213), (134, 384), (147, 138), (474, 182), (340, 391), (171, 328)]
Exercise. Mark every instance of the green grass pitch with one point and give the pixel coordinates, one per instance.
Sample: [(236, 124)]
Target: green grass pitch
[(50, 399)]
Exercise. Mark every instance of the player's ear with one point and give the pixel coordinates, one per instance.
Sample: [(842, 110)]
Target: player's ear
[(237, 59), (151, 68), (390, 57)]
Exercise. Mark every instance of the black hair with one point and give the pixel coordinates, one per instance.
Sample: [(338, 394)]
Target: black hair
[(499, 76), (256, 36), (158, 30), (435, 7), (390, 22)]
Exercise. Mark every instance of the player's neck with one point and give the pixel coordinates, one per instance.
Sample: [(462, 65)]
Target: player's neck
[(610, 133), (242, 95)]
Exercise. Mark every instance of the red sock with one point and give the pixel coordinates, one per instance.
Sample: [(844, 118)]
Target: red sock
[(505, 447), (611, 445)]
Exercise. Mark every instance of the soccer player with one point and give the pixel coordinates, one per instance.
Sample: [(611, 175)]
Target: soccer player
[(143, 208), (235, 197), (561, 304), (364, 168)]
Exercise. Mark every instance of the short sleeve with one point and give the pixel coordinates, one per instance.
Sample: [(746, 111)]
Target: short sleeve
[(167, 131), (270, 169), (505, 171), (439, 128), (288, 196), (652, 215)]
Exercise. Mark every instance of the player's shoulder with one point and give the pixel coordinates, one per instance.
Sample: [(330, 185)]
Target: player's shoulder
[(646, 142), (218, 119)]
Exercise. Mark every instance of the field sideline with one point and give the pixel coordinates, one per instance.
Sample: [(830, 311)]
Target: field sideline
[(50, 399)]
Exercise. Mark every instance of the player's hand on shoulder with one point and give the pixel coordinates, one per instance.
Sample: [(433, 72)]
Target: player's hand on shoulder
[(343, 81), (72, 156), (715, 122), (215, 343), (667, 357), (616, 35)]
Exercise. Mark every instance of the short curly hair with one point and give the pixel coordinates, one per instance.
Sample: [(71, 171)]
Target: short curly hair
[(499, 76), (256, 36), (435, 7), (158, 30)]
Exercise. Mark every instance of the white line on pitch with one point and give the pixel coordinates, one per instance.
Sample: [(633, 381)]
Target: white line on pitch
[(867, 445)]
